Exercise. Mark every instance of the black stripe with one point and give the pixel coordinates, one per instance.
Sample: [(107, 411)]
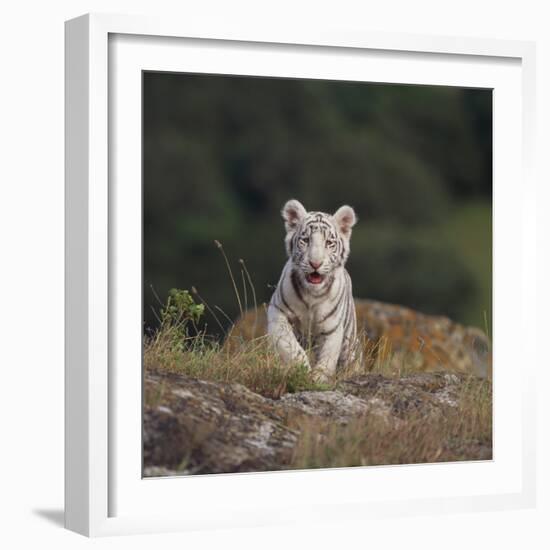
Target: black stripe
[(277, 307), (317, 223), (348, 319), (331, 312), (337, 324), (341, 291), (296, 284), (344, 314), (329, 332), (285, 302), (349, 300)]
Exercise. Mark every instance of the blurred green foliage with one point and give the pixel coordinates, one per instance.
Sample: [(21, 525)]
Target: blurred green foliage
[(222, 154), (180, 309)]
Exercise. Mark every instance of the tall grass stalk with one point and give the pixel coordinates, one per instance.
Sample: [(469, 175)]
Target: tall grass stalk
[(242, 262), (196, 293), (464, 432), (245, 293), (220, 247)]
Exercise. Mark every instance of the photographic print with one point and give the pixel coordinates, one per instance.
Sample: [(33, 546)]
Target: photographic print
[(317, 274)]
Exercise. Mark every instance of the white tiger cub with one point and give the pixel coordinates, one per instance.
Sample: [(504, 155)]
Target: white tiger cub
[(313, 302)]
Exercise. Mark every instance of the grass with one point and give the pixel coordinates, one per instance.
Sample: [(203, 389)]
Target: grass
[(250, 362), (178, 346), (464, 433), (253, 365)]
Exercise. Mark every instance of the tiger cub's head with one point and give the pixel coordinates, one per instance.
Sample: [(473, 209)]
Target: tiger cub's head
[(317, 243)]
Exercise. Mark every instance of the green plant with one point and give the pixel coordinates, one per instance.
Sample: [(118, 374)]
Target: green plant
[(179, 311), (181, 308)]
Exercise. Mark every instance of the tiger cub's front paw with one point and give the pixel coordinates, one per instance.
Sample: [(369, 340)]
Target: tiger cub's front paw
[(303, 361), (321, 377)]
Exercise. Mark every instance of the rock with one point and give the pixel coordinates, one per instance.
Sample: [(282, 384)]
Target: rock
[(198, 426), (160, 471), (336, 406), (426, 393), (402, 335), (193, 426)]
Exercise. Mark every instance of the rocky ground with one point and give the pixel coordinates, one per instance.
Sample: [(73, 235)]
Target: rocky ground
[(194, 426), (399, 334)]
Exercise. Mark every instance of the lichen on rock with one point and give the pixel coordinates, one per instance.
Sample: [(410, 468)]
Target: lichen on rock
[(195, 426), (401, 335)]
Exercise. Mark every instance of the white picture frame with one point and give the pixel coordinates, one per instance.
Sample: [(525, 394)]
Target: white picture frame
[(104, 491)]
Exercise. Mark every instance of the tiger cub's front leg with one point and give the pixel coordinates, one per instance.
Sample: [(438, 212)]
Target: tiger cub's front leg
[(327, 353), (283, 338)]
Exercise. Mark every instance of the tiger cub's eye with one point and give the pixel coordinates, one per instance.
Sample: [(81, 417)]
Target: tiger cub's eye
[(330, 242), (304, 240)]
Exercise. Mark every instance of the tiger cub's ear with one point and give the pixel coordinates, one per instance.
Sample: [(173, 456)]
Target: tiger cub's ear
[(345, 219), (293, 213)]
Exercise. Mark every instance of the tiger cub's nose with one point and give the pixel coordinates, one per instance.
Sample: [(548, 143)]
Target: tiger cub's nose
[(315, 265)]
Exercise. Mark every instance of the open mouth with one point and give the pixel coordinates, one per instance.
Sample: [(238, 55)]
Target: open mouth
[(314, 278)]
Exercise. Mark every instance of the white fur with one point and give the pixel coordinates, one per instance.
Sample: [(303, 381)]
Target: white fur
[(320, 316)]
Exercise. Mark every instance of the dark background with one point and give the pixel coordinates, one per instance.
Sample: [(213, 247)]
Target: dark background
[(222, 154)]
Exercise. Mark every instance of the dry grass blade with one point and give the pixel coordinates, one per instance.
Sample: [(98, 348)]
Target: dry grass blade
[(450, 419), (230, 271), (463, 433), (249, 278)]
